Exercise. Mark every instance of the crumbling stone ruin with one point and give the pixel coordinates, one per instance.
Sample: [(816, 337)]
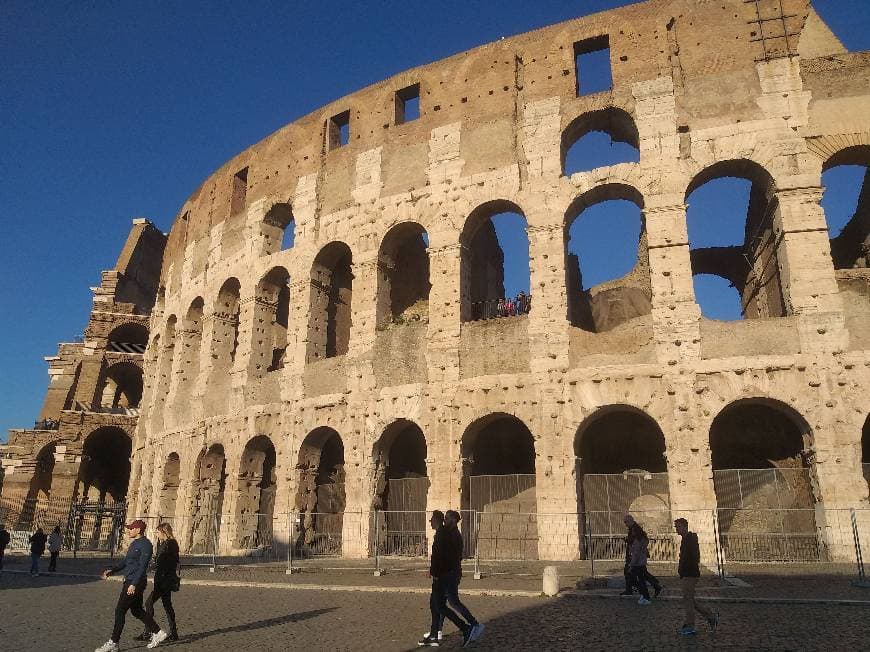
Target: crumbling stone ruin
[(315, 345)]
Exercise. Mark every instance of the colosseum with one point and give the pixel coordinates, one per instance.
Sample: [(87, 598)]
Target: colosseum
[(330, 351)]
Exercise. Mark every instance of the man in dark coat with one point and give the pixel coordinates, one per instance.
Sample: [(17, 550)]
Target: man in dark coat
[(689, 570), (37, 550)]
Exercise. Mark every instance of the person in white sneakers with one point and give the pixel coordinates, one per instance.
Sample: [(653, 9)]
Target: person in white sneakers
[(135, 567)]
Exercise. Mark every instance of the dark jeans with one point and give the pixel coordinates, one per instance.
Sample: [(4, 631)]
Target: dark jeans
[(435, 608), (2, 553), (133, 604), (34, 562), (639, 576), (446, 588), (52, 565), (163, 594)]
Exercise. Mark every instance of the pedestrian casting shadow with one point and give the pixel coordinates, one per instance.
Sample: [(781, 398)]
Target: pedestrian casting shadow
[(258, 624), (23, 580)]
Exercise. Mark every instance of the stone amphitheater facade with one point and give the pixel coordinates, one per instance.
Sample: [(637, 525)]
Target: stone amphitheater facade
[(364, 329)]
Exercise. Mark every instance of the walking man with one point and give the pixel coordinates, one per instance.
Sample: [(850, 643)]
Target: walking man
[(135, 567), (37, 549), (55, 540), (5, 538), (689, 571), (432, 638), (633, 570)]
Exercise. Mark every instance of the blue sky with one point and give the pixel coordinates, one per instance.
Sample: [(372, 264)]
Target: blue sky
[(111, 111)]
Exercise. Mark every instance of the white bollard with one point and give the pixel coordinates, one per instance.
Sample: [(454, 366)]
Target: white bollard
[(551, 580)]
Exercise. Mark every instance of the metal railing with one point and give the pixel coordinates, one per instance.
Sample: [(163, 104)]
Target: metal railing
[(503, 307)]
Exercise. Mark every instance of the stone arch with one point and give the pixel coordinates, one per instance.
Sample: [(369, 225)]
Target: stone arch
[(850, 248), (403, 274), (613, 122), (122, 387), (208, 490), (482, 260), (171, 480), (191, 343), (278, 228), (615, 301), (761, 451), (164, 345), (38, 490), (257, 483), (225, 338), (330, 315), (271, 319), (105, 467), (751, 266), (129, 337), (320, 498), (399, 457)]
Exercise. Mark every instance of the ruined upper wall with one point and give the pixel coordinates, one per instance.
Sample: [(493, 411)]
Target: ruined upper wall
[(708, 48)]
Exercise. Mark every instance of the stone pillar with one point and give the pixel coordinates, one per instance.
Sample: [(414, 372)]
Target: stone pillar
[(548, 319), (443, 335), (676, 315)]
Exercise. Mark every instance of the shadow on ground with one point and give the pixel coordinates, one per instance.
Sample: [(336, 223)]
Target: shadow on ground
[(259, 624)]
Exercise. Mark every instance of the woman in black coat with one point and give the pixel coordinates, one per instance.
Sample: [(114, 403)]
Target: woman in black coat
[(166, 579)]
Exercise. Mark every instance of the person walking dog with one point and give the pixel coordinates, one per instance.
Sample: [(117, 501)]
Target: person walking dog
[(166, 580), (689, 571), (135, 567)]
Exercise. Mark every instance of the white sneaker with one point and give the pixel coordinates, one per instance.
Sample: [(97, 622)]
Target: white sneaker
[(440, 635), (644, 601), (108, 646), (157, 639)]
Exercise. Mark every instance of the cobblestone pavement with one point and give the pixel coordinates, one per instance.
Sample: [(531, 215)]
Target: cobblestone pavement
[(65, 613)]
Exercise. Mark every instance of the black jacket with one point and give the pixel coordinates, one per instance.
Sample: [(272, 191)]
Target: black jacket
[(446, 551), (690, 556), (165, 572), (37, 543)]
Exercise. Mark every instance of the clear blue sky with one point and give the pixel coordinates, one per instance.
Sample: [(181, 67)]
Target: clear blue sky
[(109, 111)]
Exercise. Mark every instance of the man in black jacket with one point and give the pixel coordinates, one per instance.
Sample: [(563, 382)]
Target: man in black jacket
[(689, 571), (37, 549), (446, 572)]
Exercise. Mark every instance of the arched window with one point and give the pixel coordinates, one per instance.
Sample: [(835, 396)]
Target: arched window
[(403, 275), (607, 263), (331, 298), (494, 276), (208, 490), (321, 494), (731, 208), (846, 201), (105, 466), (599, 139), (271, 313), (256, 501), (122, 387), (128, 338), (169, 487), (191, 342), (278, 229), (226, 325)]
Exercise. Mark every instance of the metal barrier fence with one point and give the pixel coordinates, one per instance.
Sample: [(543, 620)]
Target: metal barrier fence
[(504, 307)]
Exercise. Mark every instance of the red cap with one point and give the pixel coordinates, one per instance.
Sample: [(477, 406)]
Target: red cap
[(138, 524)]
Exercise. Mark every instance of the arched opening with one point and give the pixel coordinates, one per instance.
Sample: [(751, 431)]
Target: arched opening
[(599, 139), (122, 388), (731, 206), (164, 370), (191, 342), (761, 451), (606, 262), (256, 502), (128, 338), (271, 314), (169, 487), (401, 488), (621, 468), (105, 465), (226, 326), (403, 275), (331, 295), (321, 495), (846, 178), (278, 229), (494, 275), (498, 487), (38, 491), (209, 486)]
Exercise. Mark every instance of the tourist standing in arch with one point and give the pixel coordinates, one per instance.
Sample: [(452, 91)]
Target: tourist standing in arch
[(135, 567), (689, 570), (55, 541), (166, 580)]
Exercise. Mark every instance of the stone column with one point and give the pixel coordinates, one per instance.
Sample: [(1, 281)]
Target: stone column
[(443, 335), (548, 319)]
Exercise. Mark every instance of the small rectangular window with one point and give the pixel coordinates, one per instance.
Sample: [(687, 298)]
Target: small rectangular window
[(240, 191), (408, 104), (592, 65), (338, 130)]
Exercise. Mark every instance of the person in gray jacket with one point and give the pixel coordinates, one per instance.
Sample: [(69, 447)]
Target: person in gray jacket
[(638, 554), (135, 567)]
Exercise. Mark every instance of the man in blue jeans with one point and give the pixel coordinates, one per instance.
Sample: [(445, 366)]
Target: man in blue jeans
[(446, 571), (37, 550)]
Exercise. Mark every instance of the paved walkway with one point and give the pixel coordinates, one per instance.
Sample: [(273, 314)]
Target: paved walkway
[(62, 613)]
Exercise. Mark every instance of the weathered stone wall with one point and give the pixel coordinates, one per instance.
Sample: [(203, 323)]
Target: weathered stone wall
[(704, 101)]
